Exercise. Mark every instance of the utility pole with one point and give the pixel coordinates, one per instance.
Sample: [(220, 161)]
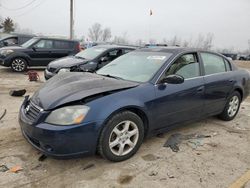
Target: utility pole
[(71, 20)]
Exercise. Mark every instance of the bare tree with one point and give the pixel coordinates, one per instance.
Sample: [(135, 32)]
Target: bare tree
[(121, 39), (199, 42), (175, 41), (22, 30), (185, 44), (152, 41), (139, 42), (208, 42), (106, 34), (95, 32)]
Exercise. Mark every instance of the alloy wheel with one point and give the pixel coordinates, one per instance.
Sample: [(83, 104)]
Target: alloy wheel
[(18, 65), (123, 138), (233, 106)]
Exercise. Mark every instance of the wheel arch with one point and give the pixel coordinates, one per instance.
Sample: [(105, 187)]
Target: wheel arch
[(240, 90), (23, 56), (135, 109)]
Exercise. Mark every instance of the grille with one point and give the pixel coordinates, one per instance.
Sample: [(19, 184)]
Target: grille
[(32, 111)]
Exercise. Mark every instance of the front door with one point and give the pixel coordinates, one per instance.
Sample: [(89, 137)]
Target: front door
[(41, 54), (176, 103)]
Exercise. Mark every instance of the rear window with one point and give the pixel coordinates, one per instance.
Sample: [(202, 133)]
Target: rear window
[(213, 63), (62, 45)]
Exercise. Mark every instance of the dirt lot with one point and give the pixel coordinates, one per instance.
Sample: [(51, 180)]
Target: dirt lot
[(216, 161)]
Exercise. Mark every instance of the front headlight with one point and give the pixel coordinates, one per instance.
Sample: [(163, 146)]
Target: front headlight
[(69, 115), (6, 52), (64, 70)]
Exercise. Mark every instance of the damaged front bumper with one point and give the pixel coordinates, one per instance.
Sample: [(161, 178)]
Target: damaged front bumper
[(59, 141)]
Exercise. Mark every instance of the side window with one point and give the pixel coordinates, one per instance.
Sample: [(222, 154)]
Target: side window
[(62, 45), (228, 65), (186, 66), (213, 63), (46, 44), (11, 41), (110, 56)]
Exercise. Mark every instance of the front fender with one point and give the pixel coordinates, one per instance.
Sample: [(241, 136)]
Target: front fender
[(19, 54), (139, 98)]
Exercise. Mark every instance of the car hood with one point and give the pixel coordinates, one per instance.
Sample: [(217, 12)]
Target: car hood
[(69, 87), (68, 61)]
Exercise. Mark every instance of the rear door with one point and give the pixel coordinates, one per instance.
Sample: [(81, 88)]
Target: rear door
[(41, 53), (176, 103), (219, 81), (62, 49)]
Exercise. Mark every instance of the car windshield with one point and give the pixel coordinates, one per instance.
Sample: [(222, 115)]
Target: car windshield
[(91, 53), (135, 66), (29, 42)]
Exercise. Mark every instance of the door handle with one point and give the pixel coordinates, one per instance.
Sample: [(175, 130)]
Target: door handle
[(200, 89), (231, 80)]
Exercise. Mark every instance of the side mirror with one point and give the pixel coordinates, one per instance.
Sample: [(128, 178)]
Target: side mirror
[(34, 49), (104, 59), (172, 79)]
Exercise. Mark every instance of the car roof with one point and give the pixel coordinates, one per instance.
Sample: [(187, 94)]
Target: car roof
[(113, 46), (174, 50), (169, 49), (53, 38)]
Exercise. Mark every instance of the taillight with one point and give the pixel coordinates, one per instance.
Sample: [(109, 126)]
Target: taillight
[(78, 47)]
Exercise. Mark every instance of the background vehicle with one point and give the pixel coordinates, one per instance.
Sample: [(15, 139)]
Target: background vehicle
[(141, 93), (244, 57), (89, 60), (233, 56), (14, 39), (38, 51)]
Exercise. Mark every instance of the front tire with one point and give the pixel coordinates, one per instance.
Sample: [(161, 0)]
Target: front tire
[(232, 107), (121, 136), (19, 64)]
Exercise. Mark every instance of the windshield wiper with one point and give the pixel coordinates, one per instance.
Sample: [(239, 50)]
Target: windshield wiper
[(111, 76)]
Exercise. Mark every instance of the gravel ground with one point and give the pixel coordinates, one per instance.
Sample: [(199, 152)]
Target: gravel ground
[(216, 161)]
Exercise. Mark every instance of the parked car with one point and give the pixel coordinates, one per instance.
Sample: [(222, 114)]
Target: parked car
[(242, 57), (88, 60), (14, 39), (38, 51), (231, 56), (140, 94)]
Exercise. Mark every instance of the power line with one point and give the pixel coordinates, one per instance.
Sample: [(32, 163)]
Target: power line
[(15, 9), (28, 11)]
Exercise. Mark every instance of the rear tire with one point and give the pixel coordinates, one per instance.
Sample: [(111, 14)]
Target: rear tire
[(121, 136), (232, 107), (19, 64)]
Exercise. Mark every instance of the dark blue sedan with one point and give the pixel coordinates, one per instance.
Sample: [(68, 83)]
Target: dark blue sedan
[(142, 93)]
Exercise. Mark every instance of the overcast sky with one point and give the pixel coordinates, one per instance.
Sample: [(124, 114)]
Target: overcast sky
[(228, 20)]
